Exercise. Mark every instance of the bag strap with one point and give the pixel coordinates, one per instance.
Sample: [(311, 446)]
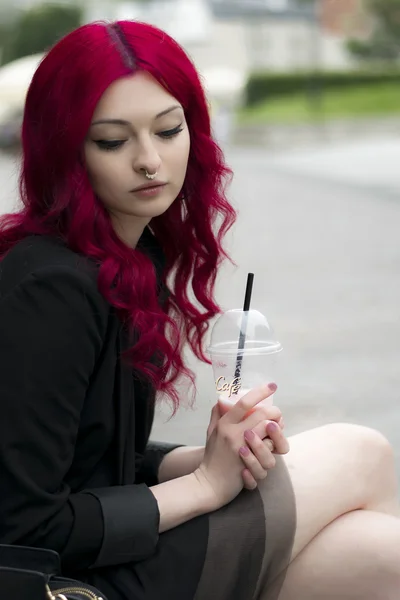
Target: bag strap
[(32, 559), (18, 584)]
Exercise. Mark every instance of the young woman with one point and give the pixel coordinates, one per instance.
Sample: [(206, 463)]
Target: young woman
[(106, 272)]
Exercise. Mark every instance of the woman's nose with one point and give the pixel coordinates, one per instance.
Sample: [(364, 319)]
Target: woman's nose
[(147, 159)]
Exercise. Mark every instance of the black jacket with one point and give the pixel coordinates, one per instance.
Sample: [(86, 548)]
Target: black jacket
[(75, 463)]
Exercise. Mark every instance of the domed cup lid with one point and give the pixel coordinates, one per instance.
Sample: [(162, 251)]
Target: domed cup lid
[(238, 332)]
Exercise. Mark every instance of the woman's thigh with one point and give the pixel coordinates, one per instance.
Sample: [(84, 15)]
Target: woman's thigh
[(355, 557), (336, 469)]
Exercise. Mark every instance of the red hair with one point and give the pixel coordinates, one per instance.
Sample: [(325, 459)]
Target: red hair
[(58, 199)]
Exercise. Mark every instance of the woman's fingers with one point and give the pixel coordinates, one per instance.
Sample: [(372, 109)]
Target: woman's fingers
[(260, 428), (260, 414), (243, 406), (269, 444), (256, 455), (248, 480), (277, 437), (274, 413), (215, 417)]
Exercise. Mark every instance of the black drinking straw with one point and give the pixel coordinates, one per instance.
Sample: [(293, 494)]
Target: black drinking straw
[(242, 336)]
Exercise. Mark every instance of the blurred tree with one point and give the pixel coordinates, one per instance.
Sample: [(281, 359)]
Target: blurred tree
[(314, 85), (38, 28), (7, 17), (384, 42), (4, 38), (387, 15)]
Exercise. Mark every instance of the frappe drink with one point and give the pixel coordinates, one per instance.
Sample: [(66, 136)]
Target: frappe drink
[(243, 352)]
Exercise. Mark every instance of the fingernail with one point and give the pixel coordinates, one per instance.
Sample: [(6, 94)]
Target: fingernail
[(249, 435), (244, 451), (272, 427), (273, 387)]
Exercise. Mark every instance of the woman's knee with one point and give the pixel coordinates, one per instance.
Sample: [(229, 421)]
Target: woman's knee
[(355, 440), (369, 455), (336, 469), (360, 439), (355, 556), (366, 447)]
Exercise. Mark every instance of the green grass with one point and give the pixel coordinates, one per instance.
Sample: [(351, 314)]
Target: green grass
[(366, 101)]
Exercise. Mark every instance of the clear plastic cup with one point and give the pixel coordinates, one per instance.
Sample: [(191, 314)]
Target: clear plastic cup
[(244, 353)]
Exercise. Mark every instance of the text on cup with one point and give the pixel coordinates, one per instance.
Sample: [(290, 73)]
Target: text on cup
[(232, 387)]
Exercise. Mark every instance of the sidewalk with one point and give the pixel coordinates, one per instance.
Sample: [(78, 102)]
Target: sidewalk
[(371, 163), (320, 230), (275, 136)]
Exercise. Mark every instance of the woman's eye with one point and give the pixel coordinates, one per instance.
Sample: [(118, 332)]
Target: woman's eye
[(109, 144), (170, 133)]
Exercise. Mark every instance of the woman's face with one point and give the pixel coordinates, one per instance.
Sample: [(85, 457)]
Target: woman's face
[(137, 127)]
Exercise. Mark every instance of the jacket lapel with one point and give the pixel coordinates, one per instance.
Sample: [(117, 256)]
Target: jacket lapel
[(124, 415)]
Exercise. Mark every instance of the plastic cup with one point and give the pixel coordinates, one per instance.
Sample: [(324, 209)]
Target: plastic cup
[(243, 353)]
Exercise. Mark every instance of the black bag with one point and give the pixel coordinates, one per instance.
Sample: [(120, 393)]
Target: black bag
[(32, 574)]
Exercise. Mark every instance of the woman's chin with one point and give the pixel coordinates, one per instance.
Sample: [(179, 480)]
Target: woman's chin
[(152, 209)]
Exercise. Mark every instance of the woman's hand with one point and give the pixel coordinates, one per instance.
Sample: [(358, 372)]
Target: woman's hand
[(221, 471), (262, 435), (255, 448), (274, 414)]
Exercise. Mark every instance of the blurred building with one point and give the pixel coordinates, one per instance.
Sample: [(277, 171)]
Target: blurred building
[(228, 39), (281, 35), (273, 35), (278, 35), (345, 17)]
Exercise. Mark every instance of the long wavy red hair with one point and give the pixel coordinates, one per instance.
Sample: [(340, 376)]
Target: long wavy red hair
[(58, 199)]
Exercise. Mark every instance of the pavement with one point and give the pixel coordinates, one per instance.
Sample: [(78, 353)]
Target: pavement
[(320, 230), (319, 227)]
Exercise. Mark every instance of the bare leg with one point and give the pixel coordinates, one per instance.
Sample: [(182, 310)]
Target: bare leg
[(355, 557), (337, 469), (339, 472)]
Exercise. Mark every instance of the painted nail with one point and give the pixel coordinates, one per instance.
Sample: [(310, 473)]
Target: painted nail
[(249, 435), (272, 427), (244, 451), (273, 387)]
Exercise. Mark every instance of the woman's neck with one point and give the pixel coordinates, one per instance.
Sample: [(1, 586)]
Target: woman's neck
[(129, 229)]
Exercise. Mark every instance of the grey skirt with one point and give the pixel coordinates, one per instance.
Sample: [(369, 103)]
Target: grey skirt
[(240, 552)]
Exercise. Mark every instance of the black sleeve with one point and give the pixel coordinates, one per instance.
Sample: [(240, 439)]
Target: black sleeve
[(149, 463), (52, 326)]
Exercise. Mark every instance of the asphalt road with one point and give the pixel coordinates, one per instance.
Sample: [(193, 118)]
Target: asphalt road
[(320, 230)]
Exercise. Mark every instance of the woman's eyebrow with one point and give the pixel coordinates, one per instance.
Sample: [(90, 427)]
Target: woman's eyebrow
[(125, 123), (168, 110)]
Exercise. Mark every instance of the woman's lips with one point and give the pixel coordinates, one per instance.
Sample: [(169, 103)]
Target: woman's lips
[(149, 192)]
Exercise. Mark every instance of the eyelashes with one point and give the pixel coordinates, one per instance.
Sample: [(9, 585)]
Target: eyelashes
[(170, 133), (110, 145)]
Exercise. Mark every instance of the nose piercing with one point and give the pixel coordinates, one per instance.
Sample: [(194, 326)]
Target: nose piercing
[(150, 175)]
